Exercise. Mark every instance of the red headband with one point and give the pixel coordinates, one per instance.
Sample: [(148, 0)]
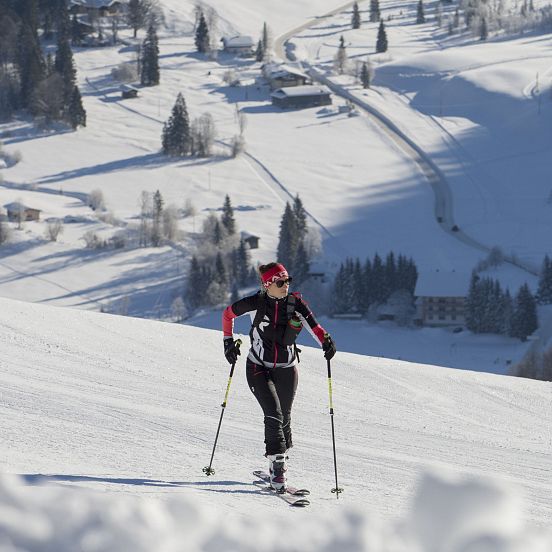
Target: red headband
[(276, 273)]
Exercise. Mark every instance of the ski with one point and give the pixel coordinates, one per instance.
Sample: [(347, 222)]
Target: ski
[(292, 495)]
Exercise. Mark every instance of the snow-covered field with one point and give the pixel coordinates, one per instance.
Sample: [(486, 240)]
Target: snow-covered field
[(117, 417), (472, 107)]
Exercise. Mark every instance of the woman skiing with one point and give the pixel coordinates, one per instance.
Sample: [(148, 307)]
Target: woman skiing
[(277, 318)]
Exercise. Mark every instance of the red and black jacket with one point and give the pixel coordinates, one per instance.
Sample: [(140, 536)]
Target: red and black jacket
[(267, 347)]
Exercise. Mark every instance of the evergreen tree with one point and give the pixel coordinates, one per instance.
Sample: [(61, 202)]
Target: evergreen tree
[(483, 31), (375, 15), (300, 218), (378, 291), (356, 20), (420, 16), (381, 42), (30, 63), (365, 290), (524, 320), (202, 35), (473, 305), (507, 313), (194, 294), (242, 264), (544, 293), (176, 131), (156, 233), (218, 234), (227, 218), (76, 32), (65, 66), (149, 67), (287, 243), (221, 275), (76, 112), (259, 52), (390, 275), (301, 265), (365, 76)]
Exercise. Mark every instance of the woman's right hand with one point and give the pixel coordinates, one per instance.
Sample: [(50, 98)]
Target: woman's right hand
[(231, 350)]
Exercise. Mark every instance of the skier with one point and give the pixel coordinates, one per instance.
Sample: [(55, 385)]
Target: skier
[(277, 318)]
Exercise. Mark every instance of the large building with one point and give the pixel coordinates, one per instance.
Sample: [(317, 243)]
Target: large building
[(441, 298), (301, 97)]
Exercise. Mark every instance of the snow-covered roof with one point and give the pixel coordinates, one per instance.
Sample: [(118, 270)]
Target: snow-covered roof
[(283, 70), (298, 91), (246, 235), (96, 4), (442, 283), (240, 41)]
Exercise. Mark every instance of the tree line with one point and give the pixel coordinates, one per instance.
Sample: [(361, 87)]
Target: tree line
[(222, 263), (43, 85), (491, 309), (357, 286)]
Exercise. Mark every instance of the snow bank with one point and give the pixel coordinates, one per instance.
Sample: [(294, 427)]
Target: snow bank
[(445, 516)]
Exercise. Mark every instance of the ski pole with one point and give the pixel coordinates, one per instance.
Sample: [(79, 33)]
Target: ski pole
[(208, 470), (337, 490)]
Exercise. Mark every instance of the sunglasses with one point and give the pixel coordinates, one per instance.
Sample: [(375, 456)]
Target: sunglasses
[(281, 283)]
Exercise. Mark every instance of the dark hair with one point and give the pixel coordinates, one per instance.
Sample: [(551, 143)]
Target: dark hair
[(266, 267)]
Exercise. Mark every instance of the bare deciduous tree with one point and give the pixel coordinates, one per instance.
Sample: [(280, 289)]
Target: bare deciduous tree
[(53, 229), (96, 200), (203, 135)]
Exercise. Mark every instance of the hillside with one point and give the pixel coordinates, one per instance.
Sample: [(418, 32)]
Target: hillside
[(130, 407)]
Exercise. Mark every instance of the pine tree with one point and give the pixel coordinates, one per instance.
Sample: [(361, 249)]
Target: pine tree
[(227, 218), (473, 305), (524, 320), (378, 280), (149, 67), (483, 31), (218, 234), (390, 280), (30, 63), (301, 266), (65, 66), (356, 20), (259, 52), (507, 313), (300, 218), (156, 233), (375, 15), (221, 275), (420, 15), (381, 42), (176, 131), (544, 293), (76, 32), (76, 112), (287, 244), (365, 76), (195, 285), (365, 298), (242, 264), (202, 35)]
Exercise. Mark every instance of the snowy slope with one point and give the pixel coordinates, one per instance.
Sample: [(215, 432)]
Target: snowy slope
[(130, 407), (364, 194)]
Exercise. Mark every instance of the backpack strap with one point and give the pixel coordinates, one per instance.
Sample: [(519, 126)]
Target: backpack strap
[(261, 309)]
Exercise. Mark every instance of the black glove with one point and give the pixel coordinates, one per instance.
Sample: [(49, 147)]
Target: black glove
[(329, 347), (231, 350)]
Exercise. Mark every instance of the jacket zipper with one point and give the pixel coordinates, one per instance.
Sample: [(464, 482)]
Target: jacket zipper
[(275, 323)]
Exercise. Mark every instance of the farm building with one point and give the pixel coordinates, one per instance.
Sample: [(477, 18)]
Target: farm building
[(301, 96), (238, 45)]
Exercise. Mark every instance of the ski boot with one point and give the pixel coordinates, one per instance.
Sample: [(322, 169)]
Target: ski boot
[(277, 469)]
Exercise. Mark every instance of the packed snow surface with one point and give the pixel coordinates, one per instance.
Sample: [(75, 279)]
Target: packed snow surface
[(130, 407)]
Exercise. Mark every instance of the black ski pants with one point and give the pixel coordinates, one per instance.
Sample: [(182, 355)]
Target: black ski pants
[(274, 388)]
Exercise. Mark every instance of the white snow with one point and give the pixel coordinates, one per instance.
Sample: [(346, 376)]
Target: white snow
[(117, 416)]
